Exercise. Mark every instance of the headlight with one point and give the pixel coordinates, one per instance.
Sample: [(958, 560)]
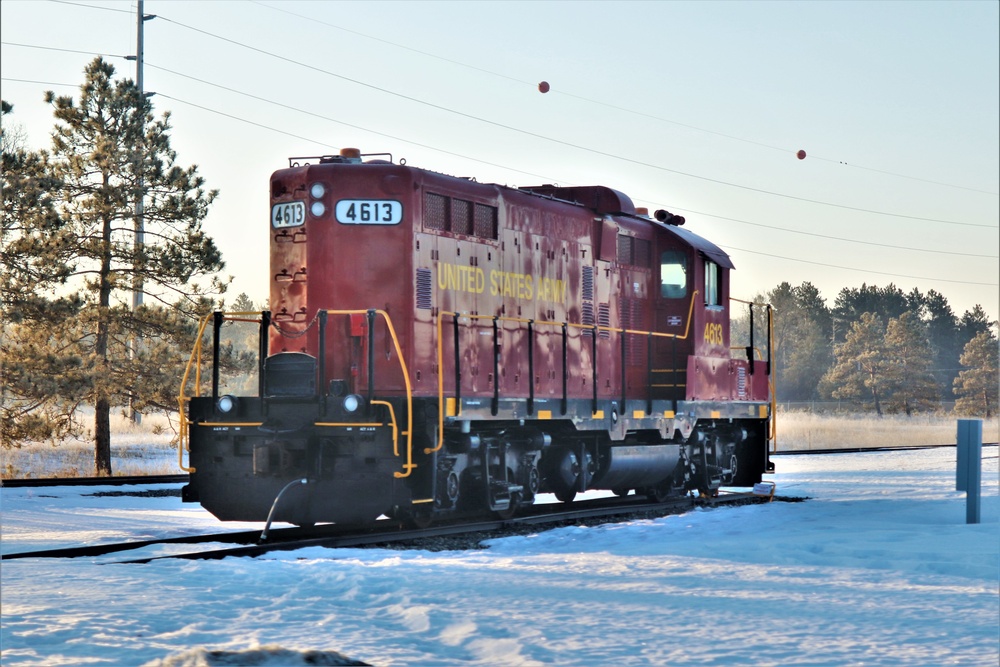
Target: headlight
[(317, 190), (352, 402), (226, 404), (318, 208)]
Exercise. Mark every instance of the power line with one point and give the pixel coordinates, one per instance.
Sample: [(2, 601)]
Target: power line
[(532, 134), (850, 268), (80, 4), (243, 120), (825, 236), (566, 143), (237, 118), (613, 106), (54, 48), (41, 83), (326, 118), (395, 138), (358, 127)]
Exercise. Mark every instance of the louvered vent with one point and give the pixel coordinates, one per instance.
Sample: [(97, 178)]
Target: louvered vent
[(425, 289), (604, 319), (587, 314), (633, 316), (588, 283)]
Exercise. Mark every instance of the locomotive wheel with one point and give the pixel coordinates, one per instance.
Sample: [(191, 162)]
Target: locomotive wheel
[(750, 460), (515, 503), (621, 493), (566, 496), (661, 491)]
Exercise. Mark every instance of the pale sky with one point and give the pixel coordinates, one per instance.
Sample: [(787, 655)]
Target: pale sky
[(697, 107)]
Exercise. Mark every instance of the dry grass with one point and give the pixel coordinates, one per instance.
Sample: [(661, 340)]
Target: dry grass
[(804, 431), (145, 449)]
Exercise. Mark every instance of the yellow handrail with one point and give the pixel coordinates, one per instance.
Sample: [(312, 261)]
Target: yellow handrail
[(589, 327), (195, 362), (183, 443), (409, 465)]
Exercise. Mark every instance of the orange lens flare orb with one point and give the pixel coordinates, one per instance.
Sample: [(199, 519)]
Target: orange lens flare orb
[(801, 155), (543, 87)]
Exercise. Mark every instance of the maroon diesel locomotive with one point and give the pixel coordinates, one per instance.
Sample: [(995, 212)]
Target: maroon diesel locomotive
[(437, 346)]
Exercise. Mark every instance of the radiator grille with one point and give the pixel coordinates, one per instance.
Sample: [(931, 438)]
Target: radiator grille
[(486, 221), (461, 216), (435, 211)]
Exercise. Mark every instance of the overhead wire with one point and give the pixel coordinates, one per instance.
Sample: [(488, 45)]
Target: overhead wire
[(561, 142), (530, 134), (754, 252), (395, 138), (848, 268), (609, 105)]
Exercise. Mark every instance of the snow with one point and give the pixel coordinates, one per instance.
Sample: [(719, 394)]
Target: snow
[(878, 567)]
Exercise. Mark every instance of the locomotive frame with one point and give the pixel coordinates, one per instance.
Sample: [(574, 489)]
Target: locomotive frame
[(542, 348)]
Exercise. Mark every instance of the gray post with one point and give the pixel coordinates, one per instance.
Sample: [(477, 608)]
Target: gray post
[(969, 465)]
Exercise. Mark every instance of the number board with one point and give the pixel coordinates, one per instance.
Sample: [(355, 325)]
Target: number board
[(369, 212), (290, 214)]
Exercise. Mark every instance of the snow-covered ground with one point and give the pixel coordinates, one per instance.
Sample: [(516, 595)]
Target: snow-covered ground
[(878, 568)]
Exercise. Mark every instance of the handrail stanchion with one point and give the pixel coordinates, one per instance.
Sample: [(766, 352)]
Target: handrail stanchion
[(531, 367), (321, 363), (217, 320), (371, 356), (495, 405), (564, 404), (593, 364)]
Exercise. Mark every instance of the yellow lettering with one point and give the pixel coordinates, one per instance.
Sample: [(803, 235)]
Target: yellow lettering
[(520, 286), (461, 278), (713, 334)]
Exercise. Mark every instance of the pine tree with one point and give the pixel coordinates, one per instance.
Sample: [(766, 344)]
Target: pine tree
[(100, 148), (38, 350), (802, 351), (977, 386), (910, 382), (861, 363), (886, 302)]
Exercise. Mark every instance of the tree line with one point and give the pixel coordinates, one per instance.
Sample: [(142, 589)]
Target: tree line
[(895, 351)]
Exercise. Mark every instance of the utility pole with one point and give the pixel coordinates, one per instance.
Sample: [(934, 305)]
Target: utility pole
[(140, 189)]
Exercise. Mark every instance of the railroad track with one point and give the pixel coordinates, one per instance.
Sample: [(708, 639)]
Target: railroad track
[(388, 532), (94, 481), (183, 478)]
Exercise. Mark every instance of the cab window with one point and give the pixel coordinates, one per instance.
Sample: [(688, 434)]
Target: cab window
[(711, 283), (673, 274)]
